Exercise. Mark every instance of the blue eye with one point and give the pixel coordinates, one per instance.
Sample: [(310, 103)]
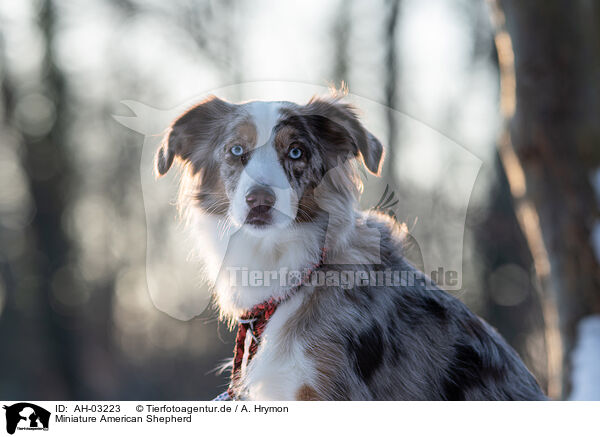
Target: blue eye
[(295, 153), (237, 150)]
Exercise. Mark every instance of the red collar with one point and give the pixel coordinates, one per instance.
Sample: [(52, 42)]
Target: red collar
[(255, 320)]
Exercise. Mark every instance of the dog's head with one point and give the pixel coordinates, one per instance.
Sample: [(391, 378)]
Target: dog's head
[(260, 163)]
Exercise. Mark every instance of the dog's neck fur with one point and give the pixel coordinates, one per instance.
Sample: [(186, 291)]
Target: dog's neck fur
[(237, 252), (296, 248)]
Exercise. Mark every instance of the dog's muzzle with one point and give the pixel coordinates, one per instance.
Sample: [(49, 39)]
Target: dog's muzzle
[(260, 200)]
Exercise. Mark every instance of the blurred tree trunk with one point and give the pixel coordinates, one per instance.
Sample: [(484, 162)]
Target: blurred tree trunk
[(511, 302), (47, 167), (342, 27), (546, 149), (391, 90), (510, 299)]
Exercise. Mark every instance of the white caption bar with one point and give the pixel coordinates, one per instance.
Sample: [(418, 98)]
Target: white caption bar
[(23, 418)]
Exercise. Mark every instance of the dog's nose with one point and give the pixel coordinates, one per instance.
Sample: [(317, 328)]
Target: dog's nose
[(260, 196)]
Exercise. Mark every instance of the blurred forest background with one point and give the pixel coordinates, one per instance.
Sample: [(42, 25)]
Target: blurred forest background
[(514, 82)]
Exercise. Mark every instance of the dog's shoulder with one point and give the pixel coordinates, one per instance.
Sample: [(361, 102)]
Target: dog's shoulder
[(410, 340)]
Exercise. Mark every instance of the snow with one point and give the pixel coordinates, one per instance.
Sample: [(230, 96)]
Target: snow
[(586, 361)]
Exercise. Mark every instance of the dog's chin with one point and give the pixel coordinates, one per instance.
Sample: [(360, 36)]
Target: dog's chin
[(258, 222), (263, 223), (259, 225)]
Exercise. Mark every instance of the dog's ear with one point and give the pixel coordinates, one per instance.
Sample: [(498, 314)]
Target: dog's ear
[(339, 120), (194, 134)]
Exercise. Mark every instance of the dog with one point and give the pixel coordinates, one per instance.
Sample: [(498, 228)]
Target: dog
[(270, 191)]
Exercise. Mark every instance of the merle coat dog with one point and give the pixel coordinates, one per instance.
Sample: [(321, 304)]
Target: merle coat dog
[(270, 193)]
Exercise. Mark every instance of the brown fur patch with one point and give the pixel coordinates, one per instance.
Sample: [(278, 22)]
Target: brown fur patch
[(307, 393), (245, 134), (284, 137)]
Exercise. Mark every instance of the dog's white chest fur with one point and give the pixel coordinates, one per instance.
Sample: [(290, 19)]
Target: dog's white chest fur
[(280, 367)]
